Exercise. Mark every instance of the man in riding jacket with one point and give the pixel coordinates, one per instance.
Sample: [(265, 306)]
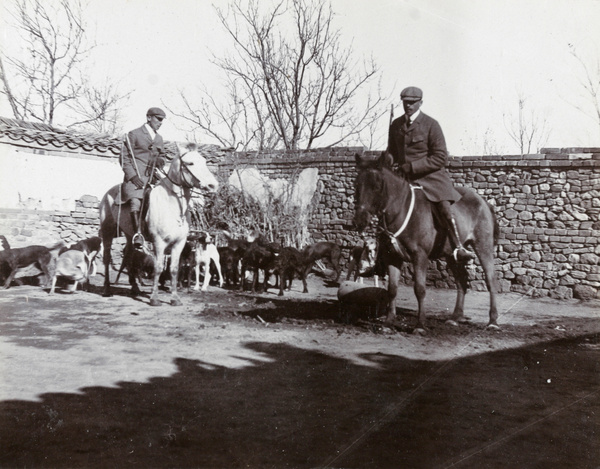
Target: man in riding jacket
[(141, 154), (418, 146)]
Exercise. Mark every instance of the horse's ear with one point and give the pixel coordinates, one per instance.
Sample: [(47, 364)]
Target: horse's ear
[(360, 161), (186, 147), (385, 160)]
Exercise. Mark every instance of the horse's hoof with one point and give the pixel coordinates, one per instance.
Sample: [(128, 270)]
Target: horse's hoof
[(452, 322), (154, 302), (176, 302), (390, 319), (420, 331), (493, 327), (106, 294)]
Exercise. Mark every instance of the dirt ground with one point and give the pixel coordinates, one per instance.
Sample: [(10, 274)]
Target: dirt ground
[(231, 380)]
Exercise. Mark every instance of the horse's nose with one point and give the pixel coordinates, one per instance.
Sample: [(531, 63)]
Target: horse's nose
[(360, 220), (212, 187)]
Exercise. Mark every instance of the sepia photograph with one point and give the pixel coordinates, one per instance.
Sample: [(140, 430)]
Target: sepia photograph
[(320, 234)]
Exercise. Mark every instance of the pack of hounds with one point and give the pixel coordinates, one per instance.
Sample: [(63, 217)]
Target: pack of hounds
[(239, 265)]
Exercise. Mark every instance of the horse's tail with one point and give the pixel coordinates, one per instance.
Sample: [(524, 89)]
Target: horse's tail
[(495, 222)]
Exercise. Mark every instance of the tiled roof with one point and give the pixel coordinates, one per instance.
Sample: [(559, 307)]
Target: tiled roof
[(54, 138)]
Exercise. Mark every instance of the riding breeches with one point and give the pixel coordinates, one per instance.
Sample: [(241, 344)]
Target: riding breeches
[(135, 204)]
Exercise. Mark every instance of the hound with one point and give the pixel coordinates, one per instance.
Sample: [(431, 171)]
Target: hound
[(77, 262), (206, 251), (11, 260)]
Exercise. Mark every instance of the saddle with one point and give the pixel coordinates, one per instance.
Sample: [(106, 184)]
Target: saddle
[(119, 198)]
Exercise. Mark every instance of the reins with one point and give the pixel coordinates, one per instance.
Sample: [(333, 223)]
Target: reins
[(182, 182)]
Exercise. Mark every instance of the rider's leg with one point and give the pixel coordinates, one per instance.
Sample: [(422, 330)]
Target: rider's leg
[(461, 254), (138, 238)]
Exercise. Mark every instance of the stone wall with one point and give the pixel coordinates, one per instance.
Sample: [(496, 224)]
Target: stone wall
[(25, 227), (548, 206)]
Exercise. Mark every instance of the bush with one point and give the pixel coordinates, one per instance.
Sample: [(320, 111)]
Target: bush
[(241, 215)]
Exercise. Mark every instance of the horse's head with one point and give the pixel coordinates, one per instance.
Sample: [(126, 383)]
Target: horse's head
[(190, 170), (368, 188)]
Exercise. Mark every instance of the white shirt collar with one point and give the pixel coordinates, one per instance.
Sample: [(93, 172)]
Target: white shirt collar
[(150, 130), (414, 116)]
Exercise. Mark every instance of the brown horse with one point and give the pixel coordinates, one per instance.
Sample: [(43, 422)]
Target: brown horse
[(411, 233), (166, 219)]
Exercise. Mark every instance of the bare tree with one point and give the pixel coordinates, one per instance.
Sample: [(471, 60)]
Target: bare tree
[(235, 119), (292, 77), (47, 76), (99, 108), (528, 129), (590, 84)]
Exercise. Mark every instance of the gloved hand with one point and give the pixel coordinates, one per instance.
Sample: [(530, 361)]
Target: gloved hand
[(137, 182), (406, 168), (160, 162)]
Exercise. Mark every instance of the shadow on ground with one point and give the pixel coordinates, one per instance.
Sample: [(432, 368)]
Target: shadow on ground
[(535, 406)]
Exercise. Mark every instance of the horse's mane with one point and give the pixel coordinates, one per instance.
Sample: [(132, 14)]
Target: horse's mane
[(383, 163), (208, 151)]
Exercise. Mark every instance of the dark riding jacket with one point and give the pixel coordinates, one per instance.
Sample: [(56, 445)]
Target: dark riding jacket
[(146, 151), (423, 146)]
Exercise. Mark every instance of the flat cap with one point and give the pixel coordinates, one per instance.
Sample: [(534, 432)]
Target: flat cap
[(156, 111), (412, 93)]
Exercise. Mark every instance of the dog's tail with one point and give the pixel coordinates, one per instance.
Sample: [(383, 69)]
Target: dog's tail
[(228, 235), (56, 246), (4, 243)]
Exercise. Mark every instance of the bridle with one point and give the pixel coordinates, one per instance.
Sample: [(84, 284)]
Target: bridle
[(183, 180), (382, 228)]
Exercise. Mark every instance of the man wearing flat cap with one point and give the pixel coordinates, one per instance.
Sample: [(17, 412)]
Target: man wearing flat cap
[(141, 154), (418, 146)]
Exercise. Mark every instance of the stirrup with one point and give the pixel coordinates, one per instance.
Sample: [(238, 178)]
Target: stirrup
[(461, 254), (138, 240)]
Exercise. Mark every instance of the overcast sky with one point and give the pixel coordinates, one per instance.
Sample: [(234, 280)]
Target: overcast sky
[(471, 58)]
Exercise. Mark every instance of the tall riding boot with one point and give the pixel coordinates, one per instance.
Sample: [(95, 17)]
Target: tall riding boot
[(460, 253), (138, 238)]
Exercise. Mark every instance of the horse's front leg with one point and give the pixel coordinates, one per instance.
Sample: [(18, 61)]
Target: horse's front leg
[(394, 280), (175, 256), (159, 261), (420, 263)]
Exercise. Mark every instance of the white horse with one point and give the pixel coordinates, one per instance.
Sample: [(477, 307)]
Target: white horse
[(166, 219)]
